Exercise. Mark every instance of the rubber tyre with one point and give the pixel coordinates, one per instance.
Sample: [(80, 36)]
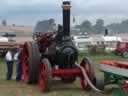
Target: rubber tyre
[(125, 54), (33, 62), (45, 75)]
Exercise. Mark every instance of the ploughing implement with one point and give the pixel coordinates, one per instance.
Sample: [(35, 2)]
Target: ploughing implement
[(116, 73)]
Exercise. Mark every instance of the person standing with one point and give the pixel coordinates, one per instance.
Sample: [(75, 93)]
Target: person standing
[(9, 62), (19, 65)]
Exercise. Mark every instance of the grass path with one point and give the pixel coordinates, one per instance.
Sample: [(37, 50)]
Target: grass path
[(13, 88)]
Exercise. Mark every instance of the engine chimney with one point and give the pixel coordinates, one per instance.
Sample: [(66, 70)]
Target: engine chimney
[(66, 18)]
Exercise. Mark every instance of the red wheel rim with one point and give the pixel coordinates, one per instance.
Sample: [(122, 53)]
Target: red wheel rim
[(25, 64), (85, 64), (84, 83), (43, 77)]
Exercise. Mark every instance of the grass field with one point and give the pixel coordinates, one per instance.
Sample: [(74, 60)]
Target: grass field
[(13, 88)]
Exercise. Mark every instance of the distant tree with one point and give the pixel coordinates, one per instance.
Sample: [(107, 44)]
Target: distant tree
[(124, 26), (99, 26), (13, 25), (45, 26), (114, 27), (86, 26), (100, 22), (4, 23), (119, 27), (52, 24)]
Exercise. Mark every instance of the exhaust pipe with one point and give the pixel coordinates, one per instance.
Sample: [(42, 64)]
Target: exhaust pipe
[(66, 18)]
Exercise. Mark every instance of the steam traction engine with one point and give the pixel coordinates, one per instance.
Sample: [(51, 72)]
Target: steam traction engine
[(52, 55)]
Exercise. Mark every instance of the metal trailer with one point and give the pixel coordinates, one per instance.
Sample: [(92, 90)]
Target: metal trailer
[(5, 46), (116, 73)]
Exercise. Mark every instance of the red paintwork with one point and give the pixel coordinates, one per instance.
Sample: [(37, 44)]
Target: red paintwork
[(43, 77), (60, 73), (75, 72), (66, 72), (45, 40), (115, 64), (118, 49), (25, 64)]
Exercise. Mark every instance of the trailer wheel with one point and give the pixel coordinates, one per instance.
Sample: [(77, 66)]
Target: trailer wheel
[(125, 54), (45, 75), (31, 62), (87, 64), (100, 83)]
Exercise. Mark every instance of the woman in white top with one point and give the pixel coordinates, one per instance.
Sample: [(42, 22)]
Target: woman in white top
[(9, 62)]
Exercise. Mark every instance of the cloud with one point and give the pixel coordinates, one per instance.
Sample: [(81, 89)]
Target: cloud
[(29, 11)]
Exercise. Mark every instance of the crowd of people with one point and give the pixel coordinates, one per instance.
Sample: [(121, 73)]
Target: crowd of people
[(12, 57)]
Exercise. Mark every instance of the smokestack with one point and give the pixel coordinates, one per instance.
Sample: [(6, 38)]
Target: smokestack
[(66, 18)]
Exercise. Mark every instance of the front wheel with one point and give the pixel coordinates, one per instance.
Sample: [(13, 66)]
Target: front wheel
[(87, 64), (45, 75), (31, 62)]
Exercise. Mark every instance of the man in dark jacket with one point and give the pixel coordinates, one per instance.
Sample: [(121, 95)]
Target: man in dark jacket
[(19, 65)]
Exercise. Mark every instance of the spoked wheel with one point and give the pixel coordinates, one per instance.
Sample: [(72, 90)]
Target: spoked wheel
[(88, 67), (31, 62), (45, 75)]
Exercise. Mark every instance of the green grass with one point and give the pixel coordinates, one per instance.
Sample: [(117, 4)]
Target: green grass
[(13, 88)]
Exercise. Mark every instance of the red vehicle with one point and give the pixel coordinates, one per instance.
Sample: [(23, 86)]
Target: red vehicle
[(122, 49)]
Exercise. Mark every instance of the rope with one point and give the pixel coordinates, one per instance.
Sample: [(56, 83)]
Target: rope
[(88, 80)]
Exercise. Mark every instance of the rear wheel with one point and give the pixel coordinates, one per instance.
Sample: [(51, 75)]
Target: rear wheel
[(125, 54), (45, 75), (31, 62)]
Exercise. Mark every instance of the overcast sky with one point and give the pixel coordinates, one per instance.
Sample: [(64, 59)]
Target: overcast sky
[(28, 12)]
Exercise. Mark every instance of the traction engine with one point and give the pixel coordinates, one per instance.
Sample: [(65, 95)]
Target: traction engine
[(53, 55)]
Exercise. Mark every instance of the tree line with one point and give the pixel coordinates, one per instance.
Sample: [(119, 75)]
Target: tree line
[(86, 26)]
